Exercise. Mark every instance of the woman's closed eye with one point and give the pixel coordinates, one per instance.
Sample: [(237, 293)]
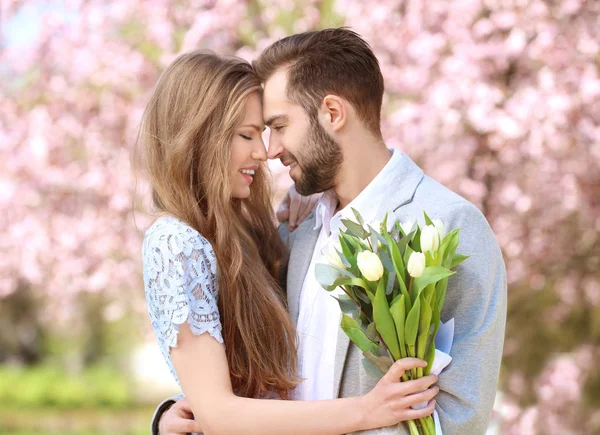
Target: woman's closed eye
[(244, 136)]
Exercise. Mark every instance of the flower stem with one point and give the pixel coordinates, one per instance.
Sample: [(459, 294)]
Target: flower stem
[(428, 425), (412, 426)]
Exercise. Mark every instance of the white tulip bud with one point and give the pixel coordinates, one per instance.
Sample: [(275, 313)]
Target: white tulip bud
[(430, 239), (370, 265), (416, 264), (439, 226), (331, 254), (407, 226)]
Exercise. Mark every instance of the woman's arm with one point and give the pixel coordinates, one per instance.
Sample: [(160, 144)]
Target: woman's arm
[(202, 369)]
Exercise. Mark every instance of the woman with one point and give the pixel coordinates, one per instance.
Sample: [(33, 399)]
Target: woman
[(213, 259)]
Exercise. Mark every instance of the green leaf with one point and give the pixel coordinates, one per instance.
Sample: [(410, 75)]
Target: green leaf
[(356, 334), (383, 226), (431, 275), (435, 320), (355, 229), (427, 220), (384, 322), (440, 292), (396, 299), (398, 312), (399, 229), (429, 292), (386, 259), (383, 363), (365, 296), (347, 305), (411, 327), (402, 244), (326, 275), (415, 241), (350, 281), (350, 241), (371, 369), (349, 254), (372, 332), (396, 258), (450, 250), (373, 239), (359, 218), (457, 259), (357, 244), (424, 327), (391, 280), (429, 356), (395, 233)]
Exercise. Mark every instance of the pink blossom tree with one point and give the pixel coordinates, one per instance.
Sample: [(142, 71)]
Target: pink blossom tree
[(497, 99)]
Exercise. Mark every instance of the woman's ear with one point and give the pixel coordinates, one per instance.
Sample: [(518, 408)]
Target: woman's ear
[(334, 112)]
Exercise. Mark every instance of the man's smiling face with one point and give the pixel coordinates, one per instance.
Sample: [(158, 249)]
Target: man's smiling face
[(301, 143)]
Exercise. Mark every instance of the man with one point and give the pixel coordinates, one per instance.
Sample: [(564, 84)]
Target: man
[(322, 101)]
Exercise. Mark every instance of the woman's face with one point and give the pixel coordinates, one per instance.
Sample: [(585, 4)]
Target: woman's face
[(247, 148)]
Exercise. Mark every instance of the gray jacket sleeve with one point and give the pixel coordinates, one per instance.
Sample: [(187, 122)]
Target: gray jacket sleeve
[(160, 410), (476, 298)]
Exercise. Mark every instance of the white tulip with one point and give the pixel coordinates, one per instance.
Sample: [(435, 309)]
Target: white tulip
[(430, 239), (331, 254), (407, 226), (439, 226), (416, 264), (370, 265)]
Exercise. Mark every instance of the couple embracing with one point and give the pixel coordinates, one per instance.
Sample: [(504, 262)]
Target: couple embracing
[(245, 328)]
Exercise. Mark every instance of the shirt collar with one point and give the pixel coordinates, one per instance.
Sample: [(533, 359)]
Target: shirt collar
[(366, 201)]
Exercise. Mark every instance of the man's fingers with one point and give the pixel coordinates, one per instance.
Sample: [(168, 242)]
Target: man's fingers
[(413, 414), (399, 367), (414, 386), (305, 213), (311, 202), (420, 397), (295, 202), (302, 209), (283, 211)]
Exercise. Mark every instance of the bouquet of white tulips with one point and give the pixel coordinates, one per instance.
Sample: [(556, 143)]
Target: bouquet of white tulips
[(393, 286)]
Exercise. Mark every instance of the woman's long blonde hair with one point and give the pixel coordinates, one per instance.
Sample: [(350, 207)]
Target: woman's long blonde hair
[(186, 132)]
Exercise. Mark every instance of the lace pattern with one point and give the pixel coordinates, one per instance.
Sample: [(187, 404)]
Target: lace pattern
[(180, 280)]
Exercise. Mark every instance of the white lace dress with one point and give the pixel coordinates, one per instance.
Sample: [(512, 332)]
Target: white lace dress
[(180, 279)]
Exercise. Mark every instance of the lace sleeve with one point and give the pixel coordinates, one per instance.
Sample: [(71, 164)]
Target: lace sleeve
[(180, 277)]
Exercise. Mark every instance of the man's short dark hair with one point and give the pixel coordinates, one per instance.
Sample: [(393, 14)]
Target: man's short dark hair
[(330, 61)]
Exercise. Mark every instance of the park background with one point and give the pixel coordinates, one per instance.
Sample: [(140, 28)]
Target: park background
[(497, 99)]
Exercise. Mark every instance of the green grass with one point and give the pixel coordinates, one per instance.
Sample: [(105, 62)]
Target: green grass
[(75, 421), (46, 400), (50, 387)]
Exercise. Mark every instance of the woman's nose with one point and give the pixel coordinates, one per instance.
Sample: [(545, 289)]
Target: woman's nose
[(260, 152)]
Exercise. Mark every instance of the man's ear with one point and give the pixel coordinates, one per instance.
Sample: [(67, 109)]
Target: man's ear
[(334, 112)]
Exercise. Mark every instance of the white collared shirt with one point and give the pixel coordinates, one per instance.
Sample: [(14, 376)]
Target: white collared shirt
[(319, 316)]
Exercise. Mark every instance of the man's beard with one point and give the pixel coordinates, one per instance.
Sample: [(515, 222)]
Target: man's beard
[(320, 161)]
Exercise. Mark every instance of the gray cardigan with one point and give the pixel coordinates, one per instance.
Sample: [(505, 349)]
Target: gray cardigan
[(476, 298)]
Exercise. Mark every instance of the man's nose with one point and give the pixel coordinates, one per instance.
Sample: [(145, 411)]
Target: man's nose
[(275, 148)]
